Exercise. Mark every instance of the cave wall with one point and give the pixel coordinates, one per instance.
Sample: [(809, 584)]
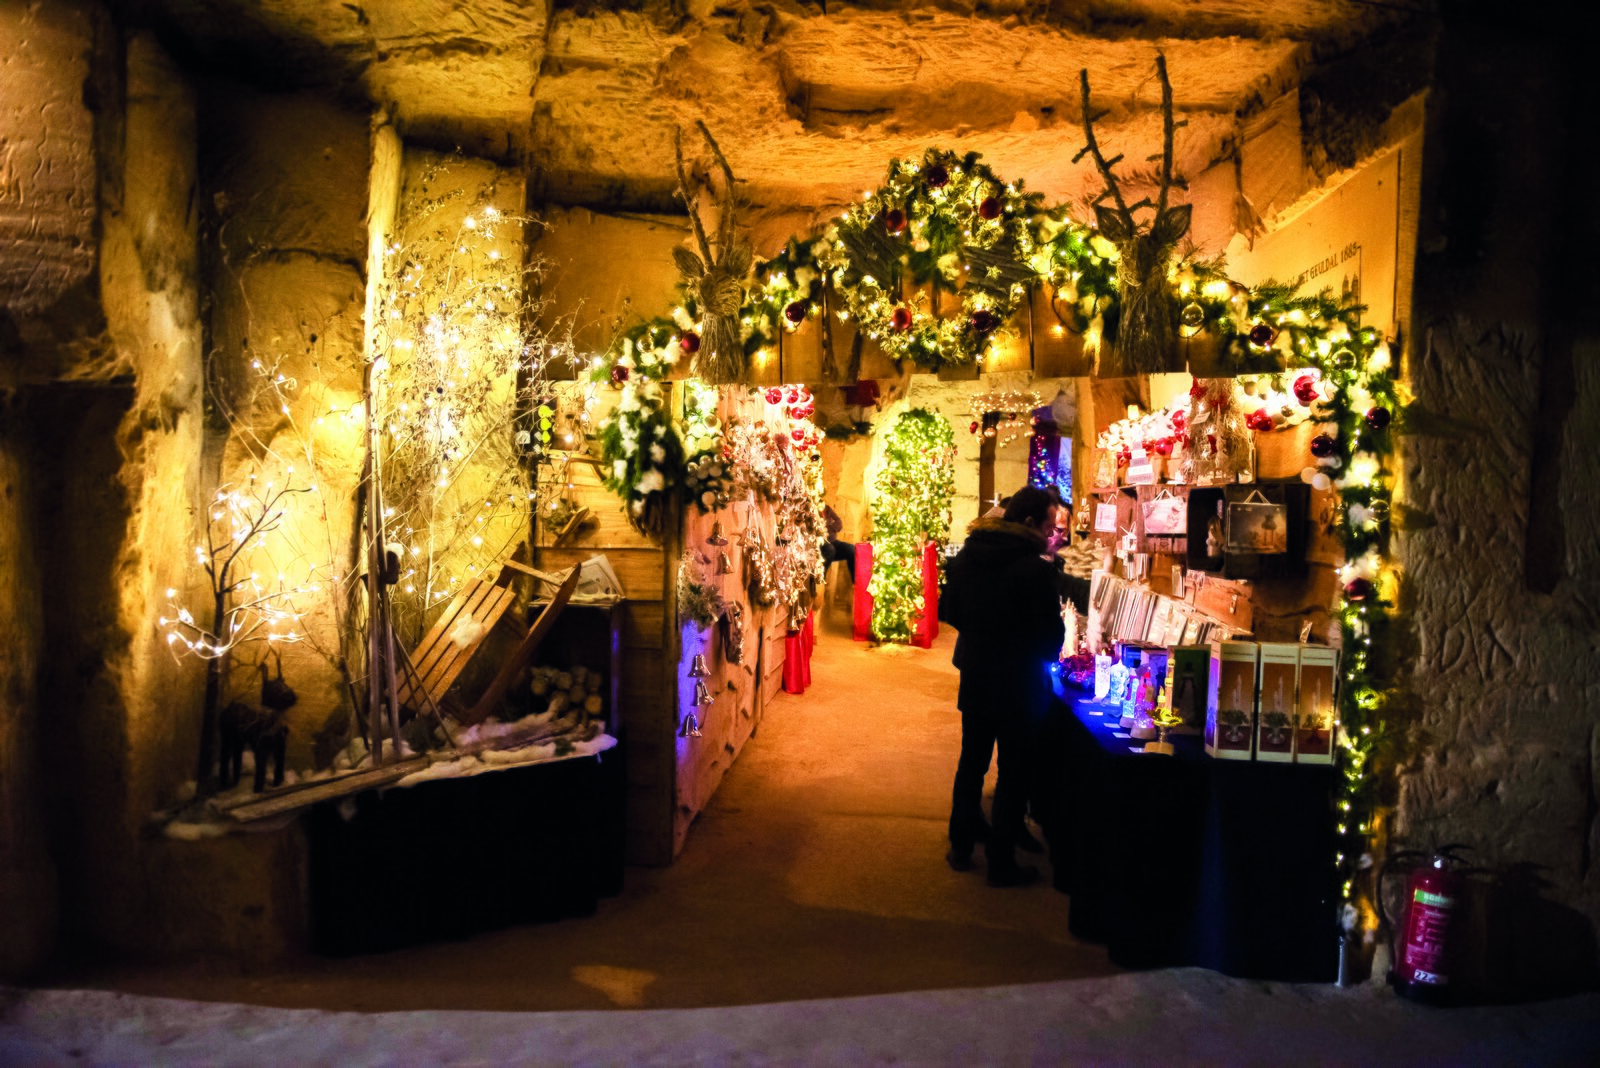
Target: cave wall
[(102, 372), (283, 199), (1502, 468)]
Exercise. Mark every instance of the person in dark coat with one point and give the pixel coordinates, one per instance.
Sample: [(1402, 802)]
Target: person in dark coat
[(1001, 596)]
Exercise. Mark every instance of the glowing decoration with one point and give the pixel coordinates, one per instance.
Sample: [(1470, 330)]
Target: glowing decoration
[(910, 508)]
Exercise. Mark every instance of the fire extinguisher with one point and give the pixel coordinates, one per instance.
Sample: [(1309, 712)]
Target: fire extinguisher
[(1422, 948)]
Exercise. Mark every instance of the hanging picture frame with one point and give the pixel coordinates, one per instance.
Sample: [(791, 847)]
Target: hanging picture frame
[(1105, 517), (1166, 514), (1256, 525)]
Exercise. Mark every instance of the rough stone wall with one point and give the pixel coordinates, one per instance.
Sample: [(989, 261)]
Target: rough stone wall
[(1501, 470), (47, 168), (283, 194)]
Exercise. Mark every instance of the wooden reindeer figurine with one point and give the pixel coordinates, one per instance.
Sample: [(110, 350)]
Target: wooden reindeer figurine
[(261, 729), (715, 277), (1146, 331)]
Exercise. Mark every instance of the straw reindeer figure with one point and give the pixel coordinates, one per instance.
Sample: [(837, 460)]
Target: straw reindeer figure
[(1146, 332), (716, 280)]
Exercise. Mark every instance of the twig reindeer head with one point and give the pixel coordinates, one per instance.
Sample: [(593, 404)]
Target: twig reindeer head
[(717, 281), (1146, 330)]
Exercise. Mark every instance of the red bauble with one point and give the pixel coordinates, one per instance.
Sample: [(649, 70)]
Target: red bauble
[(894, 220), (1378, 418), (1164, 446), (1359, 589), (798, 434), (1305, 390), (1262, 334), (901, 319), (790, 396), (989, 208), (796, 310), (689, 342), (973, 427), (1197, 389), (619, 375), (937, 177), (1258, 420), (774, 395), (1323, 446), (1179, 420), (983, 321), (1124, 457)]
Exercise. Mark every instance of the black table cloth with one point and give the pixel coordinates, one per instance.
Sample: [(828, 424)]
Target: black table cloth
[(453, 857), (1188, 860)]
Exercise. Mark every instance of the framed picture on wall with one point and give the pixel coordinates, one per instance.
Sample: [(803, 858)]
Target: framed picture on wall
[(1256, 525)]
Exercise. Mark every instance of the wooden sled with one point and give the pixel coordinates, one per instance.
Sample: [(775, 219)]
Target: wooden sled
[(436, 662)]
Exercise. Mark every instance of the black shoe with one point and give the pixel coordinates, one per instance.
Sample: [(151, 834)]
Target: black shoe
[(1015, 875), (1027, 842), (959, 859)]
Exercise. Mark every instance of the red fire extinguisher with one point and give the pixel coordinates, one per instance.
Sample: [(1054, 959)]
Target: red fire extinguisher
[(1422, 949)]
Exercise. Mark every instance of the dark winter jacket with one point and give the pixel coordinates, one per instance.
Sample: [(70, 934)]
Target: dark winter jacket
[(1001, 596)]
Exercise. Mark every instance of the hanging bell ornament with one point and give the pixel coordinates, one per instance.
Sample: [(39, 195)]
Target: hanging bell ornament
[(690, 728), (697, 667), (717, 537), (702, 693), (724, 563), (1191, 319)]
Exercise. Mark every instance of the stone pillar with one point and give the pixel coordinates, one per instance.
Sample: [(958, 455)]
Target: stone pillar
[(1503, 481)]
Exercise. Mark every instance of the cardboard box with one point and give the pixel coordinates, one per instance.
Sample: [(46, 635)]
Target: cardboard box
[(1187, 685), (1317, 709), (1231, 700), (1275, 719)]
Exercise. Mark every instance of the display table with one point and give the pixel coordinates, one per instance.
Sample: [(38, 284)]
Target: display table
[(1187, 860), (453, 857)]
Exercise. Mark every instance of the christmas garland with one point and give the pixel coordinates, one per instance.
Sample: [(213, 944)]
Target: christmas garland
[(910, 508)]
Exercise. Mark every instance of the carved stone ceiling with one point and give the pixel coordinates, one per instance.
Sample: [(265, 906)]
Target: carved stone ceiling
[(808, 105)]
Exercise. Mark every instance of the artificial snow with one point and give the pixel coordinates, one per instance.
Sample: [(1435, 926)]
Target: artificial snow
[(498, 759)]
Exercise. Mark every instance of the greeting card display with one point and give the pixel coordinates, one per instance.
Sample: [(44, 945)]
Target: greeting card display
[(1317, 718), (1275, 725), (1166, 514), (1256, 525), (1231, 700), (1105, 518), (1105, 468)]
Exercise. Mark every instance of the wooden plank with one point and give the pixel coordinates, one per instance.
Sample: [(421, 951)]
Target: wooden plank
[(642, 571), (302, 796), (644, 625)]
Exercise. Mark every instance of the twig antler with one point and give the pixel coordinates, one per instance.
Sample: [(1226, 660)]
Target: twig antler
[(1145, 331), (716, 275)]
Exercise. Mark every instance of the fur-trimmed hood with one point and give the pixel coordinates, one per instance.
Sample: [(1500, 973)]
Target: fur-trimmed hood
[(998, 532)]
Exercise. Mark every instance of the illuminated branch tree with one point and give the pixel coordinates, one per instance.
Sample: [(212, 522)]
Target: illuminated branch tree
[(453, 395), (243, 607)]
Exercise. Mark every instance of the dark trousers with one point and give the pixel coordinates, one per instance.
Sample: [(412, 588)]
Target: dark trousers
[(834, 551), (982, 732)]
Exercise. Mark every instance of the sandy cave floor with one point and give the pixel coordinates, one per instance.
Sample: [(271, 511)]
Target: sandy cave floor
[(816, 872)]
